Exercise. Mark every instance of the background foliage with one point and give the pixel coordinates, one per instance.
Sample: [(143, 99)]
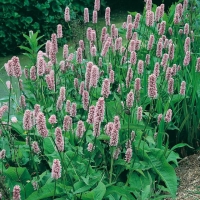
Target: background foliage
[(19, 17)]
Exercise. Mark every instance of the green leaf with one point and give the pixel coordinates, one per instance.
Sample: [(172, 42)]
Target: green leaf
[(81, 187), (29, 20), (180, 145), (164, 170), (120, 191), (18, 173), (99, 191)]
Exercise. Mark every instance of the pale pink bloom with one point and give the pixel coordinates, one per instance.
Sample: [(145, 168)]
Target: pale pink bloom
[(22, 101), (168, 116), (123, 60), (174, 70), (94, 76), (179, 9), (16, 192), (176, 18), (67, 123), (129, 77), (159, 118), (81, 87), (41, 125), (85, 99), (86, 15), (62, 93), (185, 4), (59, 140), (41, 64), (96, 128), (133, 58), (33, 73), (157, 14), (52, 119), (2, 154), (171, 86), (90, 147), (94, 17), (73, 110), (170, 30), (56, 169), (139, 113), (180, 32), (116, 123), (152, 88), (159, 49), (9, 85), (156, 69), (108, 128), (93, 51), (35, 185), (67, 14), (49, 82), (162, 10), (171, 51), (148, 4), (129, 31), (114, 137), (182, 88), (88, 74), (147, 59), (149, 18), (80, 129), (137, 85), (162, 28), (14, 120), (130, 99), (132, 45), (186, 60), (168, 74), (79, 56), (103, 34), (65, 51), (124, 25), (81, 44), (100, 64), (76, 83), (186, 29), (52, 56), (59, 31), (107, 16), (97, 5), (99, 110), (9, 68), (16, 67), (54, 46), (48, 47), (198, 65), (112, 76), (59, 103), (70, 57), (105, 91), (150, 42), (105, 48), (68, 106), (89, 31), (187, 44), (164, 59), (35, 147), (62, 66), (132, 135), (113, 31), (128, 155), (140, 67), (90, 118), (36, 109)]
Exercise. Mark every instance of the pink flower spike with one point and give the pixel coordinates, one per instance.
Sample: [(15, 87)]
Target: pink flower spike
[(97, 5), (73, 110), (182, 88), (85, 99), (94, 18), (105, 91), (80, 129), (168, 116), (35, 147), (59, 31), (16, 192), (128, 155), (41, 125), (27, 120), (90, 118), (67, 123), (56, 169), (86, 15), (107, 16), (139, 113), (152, 89), (59, 139), (52, 119), (67, 14), (130, 99), (90, 147)]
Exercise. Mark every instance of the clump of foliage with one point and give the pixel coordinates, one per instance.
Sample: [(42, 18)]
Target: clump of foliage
[(19, 17), (94, 124)]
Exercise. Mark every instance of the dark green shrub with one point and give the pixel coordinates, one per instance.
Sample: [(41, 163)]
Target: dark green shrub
[(18, 17)]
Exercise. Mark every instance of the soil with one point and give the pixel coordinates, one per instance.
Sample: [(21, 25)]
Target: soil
[(188, 173)]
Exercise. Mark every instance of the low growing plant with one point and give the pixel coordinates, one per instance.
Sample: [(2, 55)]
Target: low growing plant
[(94, 125)]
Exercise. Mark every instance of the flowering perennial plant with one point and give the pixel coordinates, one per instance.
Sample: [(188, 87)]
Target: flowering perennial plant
[(94, 123)]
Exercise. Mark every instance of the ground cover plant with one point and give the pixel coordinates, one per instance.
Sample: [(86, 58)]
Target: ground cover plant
[(95, 124)]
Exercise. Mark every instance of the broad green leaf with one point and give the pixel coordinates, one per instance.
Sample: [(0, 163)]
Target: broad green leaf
[(164, 170), (180, 145), (99, 191), (120, 191)]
